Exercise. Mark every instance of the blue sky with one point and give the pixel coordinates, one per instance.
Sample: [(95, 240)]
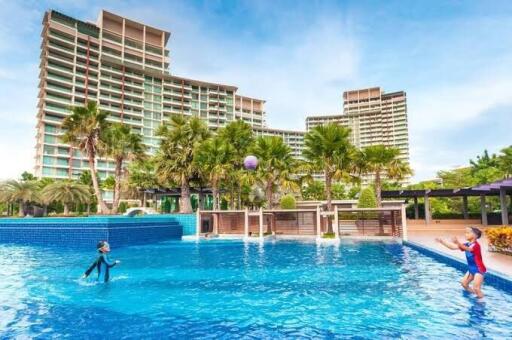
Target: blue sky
[(453, 58)]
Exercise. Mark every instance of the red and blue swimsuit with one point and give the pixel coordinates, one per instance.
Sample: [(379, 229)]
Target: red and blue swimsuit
[(474, 257)]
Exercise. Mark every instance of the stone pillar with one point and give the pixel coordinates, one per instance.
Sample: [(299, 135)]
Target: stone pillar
[(504, 207), (483, 210), (336, 226), (246, 223), (198, 222), (428, 216), (404, 224), (465, 207), (416, 208)]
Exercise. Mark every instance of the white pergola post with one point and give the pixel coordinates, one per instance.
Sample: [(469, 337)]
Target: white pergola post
[(428, 216), (483, 210), (318, 222), (416, 208), (503, 205), (246, 223), (405, 236), (261, 222), (336, 226)]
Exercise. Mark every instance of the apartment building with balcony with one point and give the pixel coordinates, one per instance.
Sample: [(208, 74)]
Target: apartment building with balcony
[(374, 117), (293, 138), (125, 66)]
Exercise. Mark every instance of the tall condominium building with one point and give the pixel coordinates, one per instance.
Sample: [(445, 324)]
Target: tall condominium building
[(294, 139), (374, 117), (124, 66)]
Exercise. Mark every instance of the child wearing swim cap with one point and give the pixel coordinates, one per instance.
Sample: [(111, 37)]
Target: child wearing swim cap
[(476, 268), (102, 263)]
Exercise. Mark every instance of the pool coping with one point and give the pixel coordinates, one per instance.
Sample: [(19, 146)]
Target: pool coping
[(492, 277)]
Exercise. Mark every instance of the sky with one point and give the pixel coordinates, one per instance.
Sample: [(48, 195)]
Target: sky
[(453, 58)]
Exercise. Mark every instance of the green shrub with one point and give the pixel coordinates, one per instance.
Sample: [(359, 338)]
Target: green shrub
[(367, 198), (287, 202), (328, 235), (123, 206)]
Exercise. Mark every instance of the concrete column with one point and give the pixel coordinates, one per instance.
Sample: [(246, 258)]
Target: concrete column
[(261, 222), (483, 210), (428, 216), (465, 207), (318, 222), (336, 226), (503, 205), (416, 209), (246, 222), (404, 224)]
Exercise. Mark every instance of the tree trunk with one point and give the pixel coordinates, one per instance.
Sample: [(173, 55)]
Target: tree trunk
[(88, 208), (215, 193), (185, 205), (328, 196), (117, 185), (269, 194), (21, 213), (378, 189), (66, 209), (144, 199), (103, 209)]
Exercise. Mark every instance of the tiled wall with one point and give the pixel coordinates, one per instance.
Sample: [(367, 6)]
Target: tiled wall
[(188, 221), (87, 231)]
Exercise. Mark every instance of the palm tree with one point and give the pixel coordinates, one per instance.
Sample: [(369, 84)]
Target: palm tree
[(175, 159), (327, 148), (21, 192), (141, 176), (214, 159), (121, 144), (240, 136), (505, 161), (382, 160), (67, 193), (83, 129), (275, 165)]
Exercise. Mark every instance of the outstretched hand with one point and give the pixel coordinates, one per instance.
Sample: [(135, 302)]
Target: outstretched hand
[(455, 240), (117, 261), (439, 240)]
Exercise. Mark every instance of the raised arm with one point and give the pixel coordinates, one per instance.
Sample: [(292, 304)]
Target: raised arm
[(109, 263), (461, 245), (448, 245)]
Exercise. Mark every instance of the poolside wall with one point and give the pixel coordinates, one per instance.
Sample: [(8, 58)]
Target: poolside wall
[(492, 278), (87, 231), (187, 221)]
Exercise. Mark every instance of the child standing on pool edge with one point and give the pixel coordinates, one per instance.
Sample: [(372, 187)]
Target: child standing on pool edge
[(102, 263), (476, 267)]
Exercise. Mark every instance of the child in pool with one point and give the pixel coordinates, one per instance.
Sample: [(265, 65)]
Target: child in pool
[(476, 267), (102, 263)]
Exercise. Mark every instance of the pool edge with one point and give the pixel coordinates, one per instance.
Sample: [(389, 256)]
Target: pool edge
[(492, 277)]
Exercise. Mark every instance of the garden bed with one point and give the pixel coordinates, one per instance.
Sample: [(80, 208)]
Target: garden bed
[(500, 239)]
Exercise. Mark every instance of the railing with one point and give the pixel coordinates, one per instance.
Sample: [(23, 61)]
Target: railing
[(370, 222)]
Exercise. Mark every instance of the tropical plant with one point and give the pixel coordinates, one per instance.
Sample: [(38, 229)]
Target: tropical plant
[(367, 198), (214, 160), (240, 136), (66, 192), (27, 176), (338, 191), (141, 177), (83, 129), (275, 165), (327, 148), (174, 160), (21, 192), (505, 161), (483, 162), (288, 202), (313, 191), (122, 145), (379, 160)]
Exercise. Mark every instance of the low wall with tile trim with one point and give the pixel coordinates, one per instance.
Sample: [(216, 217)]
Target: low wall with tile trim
[(87, 231), (187, 221)]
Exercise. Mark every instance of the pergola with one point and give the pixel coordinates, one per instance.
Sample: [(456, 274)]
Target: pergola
[(499, 188)]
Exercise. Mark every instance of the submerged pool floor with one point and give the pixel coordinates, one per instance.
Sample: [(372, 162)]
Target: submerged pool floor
[(227, 289)]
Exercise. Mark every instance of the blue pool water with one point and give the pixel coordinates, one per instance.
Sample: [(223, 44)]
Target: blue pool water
[(225, 289)]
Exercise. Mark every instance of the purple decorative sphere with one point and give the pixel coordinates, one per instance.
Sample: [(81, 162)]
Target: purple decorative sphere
[(250, 162)]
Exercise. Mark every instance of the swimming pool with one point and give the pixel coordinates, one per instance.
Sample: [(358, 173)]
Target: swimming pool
[(225, 289)]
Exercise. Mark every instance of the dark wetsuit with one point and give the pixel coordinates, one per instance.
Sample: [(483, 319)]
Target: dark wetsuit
[(103, 265)]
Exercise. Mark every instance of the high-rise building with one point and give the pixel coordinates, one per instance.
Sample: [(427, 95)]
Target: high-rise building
[(293, 138), (374, 117), (124, 66)]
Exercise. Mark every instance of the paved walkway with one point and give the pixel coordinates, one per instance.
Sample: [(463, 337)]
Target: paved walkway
[(497, 262)]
